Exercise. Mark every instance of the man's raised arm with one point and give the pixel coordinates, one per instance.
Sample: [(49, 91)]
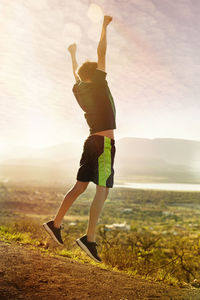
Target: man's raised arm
[(72, 51), (101, 50)]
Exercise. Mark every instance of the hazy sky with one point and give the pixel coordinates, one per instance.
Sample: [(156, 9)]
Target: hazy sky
[(153, 67)]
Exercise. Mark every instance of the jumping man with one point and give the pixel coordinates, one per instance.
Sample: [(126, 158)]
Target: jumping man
[(94, 97)]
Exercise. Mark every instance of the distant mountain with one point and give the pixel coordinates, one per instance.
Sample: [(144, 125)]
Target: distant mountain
[(54, 153), (177, 151), (165, 160), (137, 159)]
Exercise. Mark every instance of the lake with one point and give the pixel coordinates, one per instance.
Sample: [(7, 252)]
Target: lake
[(161, 186)]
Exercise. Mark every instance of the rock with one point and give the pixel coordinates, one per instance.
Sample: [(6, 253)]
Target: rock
[(196, 283)]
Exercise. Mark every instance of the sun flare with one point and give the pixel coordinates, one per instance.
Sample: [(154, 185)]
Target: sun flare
[(95, 13)]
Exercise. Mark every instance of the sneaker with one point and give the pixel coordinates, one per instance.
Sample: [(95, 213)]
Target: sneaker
[(54, 232), (89, 248)]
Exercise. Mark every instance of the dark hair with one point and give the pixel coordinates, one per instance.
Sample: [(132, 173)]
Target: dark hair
[(86, 71)]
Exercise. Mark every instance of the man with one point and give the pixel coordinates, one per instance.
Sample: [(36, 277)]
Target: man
[(94, 97)]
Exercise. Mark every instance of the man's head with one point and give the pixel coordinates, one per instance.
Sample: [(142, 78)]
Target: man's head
[(86, 71)]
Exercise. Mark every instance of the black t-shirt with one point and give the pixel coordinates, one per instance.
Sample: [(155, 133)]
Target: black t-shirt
[(97, 102)]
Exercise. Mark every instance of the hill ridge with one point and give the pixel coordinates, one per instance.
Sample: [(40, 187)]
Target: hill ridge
[(28, 273)]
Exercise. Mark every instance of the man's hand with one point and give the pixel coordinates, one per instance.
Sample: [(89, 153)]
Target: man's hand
[(72, 51), (101, 49), (72, 48), (107, 20)]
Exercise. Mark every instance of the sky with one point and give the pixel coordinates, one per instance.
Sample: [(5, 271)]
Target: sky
[(152, 65)]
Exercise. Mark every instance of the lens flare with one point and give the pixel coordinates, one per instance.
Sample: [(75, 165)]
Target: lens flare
[(95, 13)]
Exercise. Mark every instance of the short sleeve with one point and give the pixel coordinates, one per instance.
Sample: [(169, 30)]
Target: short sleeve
[(99, 76), (77, 82), (76, 85)]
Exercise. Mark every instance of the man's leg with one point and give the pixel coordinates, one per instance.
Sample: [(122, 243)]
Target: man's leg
[(87, 242), (53, 226), (95, 211), (70, 197)]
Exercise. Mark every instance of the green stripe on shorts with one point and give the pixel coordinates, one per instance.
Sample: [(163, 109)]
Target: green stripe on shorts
[(104, 162)]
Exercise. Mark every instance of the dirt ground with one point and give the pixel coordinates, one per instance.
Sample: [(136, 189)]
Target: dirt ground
[(29, 274)]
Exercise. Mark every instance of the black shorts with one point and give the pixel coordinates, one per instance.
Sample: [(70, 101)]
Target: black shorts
[(97, 161)]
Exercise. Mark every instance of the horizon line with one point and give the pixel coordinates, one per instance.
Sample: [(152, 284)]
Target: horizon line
[(77, 142)]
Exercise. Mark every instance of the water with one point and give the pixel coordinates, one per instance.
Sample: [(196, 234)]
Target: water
[(161, 186)]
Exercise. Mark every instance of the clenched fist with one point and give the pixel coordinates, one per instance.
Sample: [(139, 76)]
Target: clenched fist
[(72, 48), (107, 20)]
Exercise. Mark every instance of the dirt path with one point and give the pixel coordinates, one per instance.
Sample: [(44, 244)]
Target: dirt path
[(28, 274)]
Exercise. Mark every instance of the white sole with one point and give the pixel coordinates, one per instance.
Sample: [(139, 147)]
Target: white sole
[(46, 227), (84, 248)]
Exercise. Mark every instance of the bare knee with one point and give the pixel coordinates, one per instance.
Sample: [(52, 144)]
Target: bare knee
[(79, 187), (104, 191)]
